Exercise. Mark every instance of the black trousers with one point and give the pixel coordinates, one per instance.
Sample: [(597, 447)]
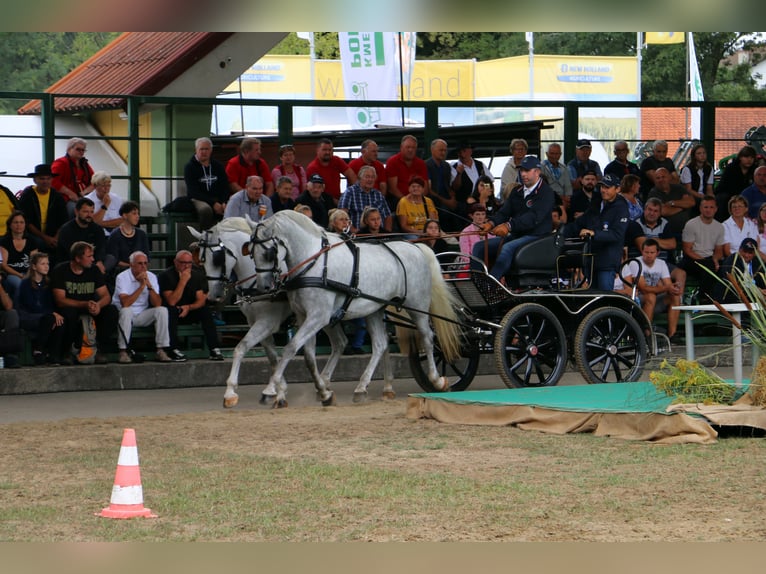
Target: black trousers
[(203, 316), (106, 326)]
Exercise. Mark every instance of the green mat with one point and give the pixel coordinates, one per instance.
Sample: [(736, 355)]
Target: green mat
[(641, 397)]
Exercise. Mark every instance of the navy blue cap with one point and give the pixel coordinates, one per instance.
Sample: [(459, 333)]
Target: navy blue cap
[(583, 143), (530, 162), (610, 180), (316, 178), (749, 244)]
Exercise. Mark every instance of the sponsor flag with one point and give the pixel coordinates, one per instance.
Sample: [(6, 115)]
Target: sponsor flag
[(664, 37)]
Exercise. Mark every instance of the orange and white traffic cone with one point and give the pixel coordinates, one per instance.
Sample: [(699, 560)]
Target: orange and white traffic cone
[(127, 494)]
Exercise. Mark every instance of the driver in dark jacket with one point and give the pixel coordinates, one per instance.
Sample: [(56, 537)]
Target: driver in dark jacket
[(524, 216), (605, 223)]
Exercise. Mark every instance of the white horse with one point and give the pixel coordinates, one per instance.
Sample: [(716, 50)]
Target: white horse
[(326, 282), (220, 251)]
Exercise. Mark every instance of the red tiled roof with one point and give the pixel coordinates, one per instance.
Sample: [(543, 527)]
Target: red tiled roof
[(136, 63)]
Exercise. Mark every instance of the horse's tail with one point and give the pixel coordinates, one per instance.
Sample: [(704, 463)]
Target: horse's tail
[(442, 309)]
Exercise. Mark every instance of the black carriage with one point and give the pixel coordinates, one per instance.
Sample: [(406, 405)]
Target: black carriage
[(541, 320)]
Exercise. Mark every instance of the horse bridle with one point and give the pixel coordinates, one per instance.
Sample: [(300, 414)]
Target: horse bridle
[(218, 252)]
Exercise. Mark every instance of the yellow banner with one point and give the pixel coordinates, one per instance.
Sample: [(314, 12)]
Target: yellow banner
[(664, 37)]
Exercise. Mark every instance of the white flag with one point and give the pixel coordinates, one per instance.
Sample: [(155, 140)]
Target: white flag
[(695, 87)]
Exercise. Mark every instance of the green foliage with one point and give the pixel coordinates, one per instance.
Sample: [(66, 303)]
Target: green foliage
[(689, 382)]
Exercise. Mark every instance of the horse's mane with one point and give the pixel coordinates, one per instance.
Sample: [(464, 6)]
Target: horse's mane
[(234, 224), (305, 223)]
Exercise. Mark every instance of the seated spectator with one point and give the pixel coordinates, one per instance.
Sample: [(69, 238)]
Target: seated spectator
[(79, 288), (511, 176), (749, 266), (16, 248), (401, 167), (38, 316), (106, 206), (697, 175), (761, 223), (304, 209), (677, 203), (183, 293), (620, 166), (128, 237), (317, 200), (8, 204), (736, 177), (339, 222), (250, 201), (137, 297), (330, 167), (465, 174), (43, 223), (206, 183), (582, 164), (283, 194), (9, 324), (629, 187), (413, 209), (72, 174), (702, 241), (651, 164), (556, 173), (83, 228), (484, 194), (288, 168), (363, 194), (738, 226), (247, 163), (657, 291), (432, 236), (369, 156), (583, 198), (371, 222), (755, 194), (472, 233), (440, 186)]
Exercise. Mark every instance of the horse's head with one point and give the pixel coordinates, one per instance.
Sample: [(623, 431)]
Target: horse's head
[(268, 253), (212, 254)]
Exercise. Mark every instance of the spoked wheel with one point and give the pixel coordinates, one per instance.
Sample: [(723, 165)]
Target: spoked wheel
[(530, 347), (458, 373), (609, 347)]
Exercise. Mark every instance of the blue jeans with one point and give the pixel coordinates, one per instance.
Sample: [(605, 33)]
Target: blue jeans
[(507, 248), (604, 279)]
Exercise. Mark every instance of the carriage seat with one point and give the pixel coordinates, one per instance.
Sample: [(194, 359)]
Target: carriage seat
[(534, 264)]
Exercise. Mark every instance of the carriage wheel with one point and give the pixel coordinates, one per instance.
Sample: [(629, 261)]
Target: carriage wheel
[(459, 373), (530, 347), (609, 347)]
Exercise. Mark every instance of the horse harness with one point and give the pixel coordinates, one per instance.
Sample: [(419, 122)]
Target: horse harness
[(218, 253)]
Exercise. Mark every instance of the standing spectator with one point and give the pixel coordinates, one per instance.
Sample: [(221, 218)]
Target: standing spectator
[(362, 195), (677, 203), (72, 174), (80, 289), (484, 194), (38, 316), (736, 176), (369, 156), (556, 174), (400, 169), (128, 237), (605, 223), (206, 183), (9, 323), (283, 194), (413, 209), (524, 216), (466, 172), (42, 222), (629, 187), (510, 177), (8, 204), (620, 166), (702, 241), (738, 226), (582, 164), (330, 167), (288, 168), (440, 186), (697, 174), (82, 228), (250, 201), (105, 205), (651, 164), (16, 248), (137, 297), (317, 200), (246, 163), (755, 194), (183, 293)]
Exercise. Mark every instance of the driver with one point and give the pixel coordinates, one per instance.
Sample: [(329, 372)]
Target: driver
[(524, 217)]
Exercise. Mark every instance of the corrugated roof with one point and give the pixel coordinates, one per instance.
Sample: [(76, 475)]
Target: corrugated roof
[(136, 63)]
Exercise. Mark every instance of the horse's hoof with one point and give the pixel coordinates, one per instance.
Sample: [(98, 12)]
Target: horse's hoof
[(441, 384), (389, 395), (229, 402), (266, 399), (360, 397), (280, 404), (329, 401)]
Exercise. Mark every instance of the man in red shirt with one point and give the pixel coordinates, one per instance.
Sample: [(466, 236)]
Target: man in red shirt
[(72, 173), (330, 167), (402, 166), (370, 157), (246, 163)]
